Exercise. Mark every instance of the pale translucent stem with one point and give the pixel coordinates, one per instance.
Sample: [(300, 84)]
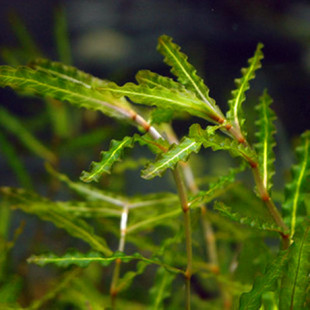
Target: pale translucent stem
[(121, 248)]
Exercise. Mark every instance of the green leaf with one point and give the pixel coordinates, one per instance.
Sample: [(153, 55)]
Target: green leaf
[(108, 158), (209, 138), (235, 113), (161, 289), (294, 207), (8, 151), (216, 188), (83, 260), (154, 80), (264, 283), (252, 221), (69, 73), (64, 89), (176, 153), (14, 126), (186, 74), (61, 36), (34, 204), (266, 139), (296, 282), (163, 98), (90, 193)]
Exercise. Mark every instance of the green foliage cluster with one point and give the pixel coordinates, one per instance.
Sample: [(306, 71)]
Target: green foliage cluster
[(219, 247)]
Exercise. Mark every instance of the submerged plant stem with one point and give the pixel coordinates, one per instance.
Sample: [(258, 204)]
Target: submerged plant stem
[(188, 233)]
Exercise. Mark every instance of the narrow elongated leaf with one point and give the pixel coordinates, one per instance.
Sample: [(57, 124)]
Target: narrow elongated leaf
[(67, 72), (62, 37), (8, 151), (296, 282), (83, 260), (14, 126), (46, 85), (266, 139), (108, 158), (90, 193), (153, 80), (178, 152), (45, 209), (186, 73), (254, 221), (163, 98), (235, 113), (161, 289), (216, 188), (209, 138), (264, 283), (294, 206)]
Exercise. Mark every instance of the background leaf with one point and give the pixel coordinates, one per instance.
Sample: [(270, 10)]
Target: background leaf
[(294, 207), (296, 282)]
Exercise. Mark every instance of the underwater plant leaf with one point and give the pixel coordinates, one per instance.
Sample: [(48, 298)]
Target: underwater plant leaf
[(235, 112), (37, 82), (26, 40), (66, 72), (62, 37), (168, 160), (216, 188), (265, 135), (186, 74), (162, 98), (264, 283), (209, 138), (8, 151), (14, 126), (254, 221), (294, 206), (155, 80), (87, 191), (296, 282), (83, 260), (161, 289), (108, 158), (34, 204)]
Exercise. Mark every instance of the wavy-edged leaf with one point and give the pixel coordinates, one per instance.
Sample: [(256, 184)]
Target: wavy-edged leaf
[(163, 98), (153, 80), (46, 85), (89, 192), (45, 209), (168, 160), (266, 141), (235, 112), (209, 138), (252, 221), (294, 207), (264, 283), (108, 158), (216, 188), (296, 281), (66, 72), (186, 73), (161, 289), (83, 260)]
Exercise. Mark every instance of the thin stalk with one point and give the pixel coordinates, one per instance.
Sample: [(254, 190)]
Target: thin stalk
[(188, 234), (206, 225), (121, 247), (262, 190)]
